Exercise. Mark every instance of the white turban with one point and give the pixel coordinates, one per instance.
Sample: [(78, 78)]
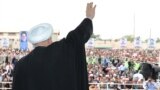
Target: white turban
[(40, 32)]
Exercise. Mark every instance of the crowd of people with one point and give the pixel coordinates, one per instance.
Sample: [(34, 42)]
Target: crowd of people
[(8, 59), (113, 66), (119, 66)]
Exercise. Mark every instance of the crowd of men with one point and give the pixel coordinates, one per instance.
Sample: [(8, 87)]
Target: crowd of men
[(104, 66), (119, 66), (8, 59)]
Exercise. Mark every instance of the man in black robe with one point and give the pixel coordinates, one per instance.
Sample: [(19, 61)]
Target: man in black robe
[(55, 66)]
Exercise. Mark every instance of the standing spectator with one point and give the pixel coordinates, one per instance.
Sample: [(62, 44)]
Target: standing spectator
[(99, 59), (150, 84), (14, 61), (121, 68)]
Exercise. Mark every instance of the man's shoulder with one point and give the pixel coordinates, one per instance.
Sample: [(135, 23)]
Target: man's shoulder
[(59, 43), (22, 61)]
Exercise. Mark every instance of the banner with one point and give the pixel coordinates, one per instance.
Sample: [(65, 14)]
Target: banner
[(137, 42), (90, 43), (123, 42), (23, 41), (151, 43), (5, 42)]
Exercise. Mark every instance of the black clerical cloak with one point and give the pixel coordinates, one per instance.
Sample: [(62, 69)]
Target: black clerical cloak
[(60, 66)]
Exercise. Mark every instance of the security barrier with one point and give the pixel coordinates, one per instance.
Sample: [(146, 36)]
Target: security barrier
[(92, 86), (115, 86), (5, 85)]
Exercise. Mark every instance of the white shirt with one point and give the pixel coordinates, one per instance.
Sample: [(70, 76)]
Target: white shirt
[(146, 85), (138, 75)]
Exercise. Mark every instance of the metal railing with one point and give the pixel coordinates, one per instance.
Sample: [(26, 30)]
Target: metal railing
[(5, 85), (115, 86), (98, 86)]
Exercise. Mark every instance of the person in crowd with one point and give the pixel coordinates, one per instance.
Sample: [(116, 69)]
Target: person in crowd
[(150, 84)]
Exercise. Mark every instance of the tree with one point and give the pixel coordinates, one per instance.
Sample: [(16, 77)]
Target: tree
[(146, 41), (129, 37), (116, 40), (96, 37), (158, 40)]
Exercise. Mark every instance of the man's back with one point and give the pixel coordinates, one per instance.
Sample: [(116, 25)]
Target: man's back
[(45, 68), (60, 66)]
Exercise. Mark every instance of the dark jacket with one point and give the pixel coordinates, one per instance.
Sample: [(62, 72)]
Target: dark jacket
[(60, 66)]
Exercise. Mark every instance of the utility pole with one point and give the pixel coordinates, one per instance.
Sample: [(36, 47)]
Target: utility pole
[(134, 26), (150, 33)]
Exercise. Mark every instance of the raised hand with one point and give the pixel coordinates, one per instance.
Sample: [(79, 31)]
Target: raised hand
[(90, 10)]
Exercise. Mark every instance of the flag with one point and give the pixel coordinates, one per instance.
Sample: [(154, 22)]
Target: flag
[(137, 42), (90, 43), (123, 42), (151, 43), (5, 42)]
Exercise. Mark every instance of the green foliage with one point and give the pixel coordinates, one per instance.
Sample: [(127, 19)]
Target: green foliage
[(129, 37), (158, 40), (96, 37), (146, 41), (116, 40)]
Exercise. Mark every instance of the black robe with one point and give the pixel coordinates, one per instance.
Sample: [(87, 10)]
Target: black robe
[(60, 66)]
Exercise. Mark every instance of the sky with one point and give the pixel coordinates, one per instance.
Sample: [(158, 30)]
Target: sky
[(113, 19)]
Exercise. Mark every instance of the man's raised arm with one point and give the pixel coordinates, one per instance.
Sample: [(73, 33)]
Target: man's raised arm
[(83, 32)]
